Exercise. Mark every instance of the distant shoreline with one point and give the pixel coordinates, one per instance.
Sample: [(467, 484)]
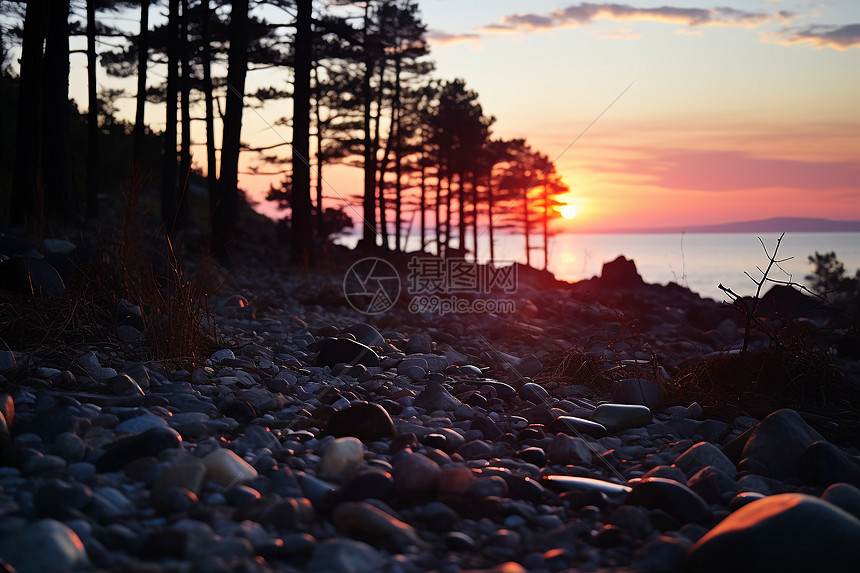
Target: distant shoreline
[(774, 225)]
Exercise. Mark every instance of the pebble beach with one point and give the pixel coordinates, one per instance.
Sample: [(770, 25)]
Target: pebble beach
[(314, 437)]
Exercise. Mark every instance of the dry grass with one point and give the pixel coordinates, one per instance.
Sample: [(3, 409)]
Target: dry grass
[(133, 262)]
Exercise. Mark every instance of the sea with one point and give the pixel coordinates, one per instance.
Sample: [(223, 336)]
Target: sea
[(698, 261)]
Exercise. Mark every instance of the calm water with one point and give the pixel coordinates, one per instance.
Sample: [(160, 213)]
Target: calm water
[(697, 261)]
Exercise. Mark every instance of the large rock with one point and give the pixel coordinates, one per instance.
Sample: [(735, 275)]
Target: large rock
[(778, 441), (823, 464), (620, 273), (44, 546), (787, 533)]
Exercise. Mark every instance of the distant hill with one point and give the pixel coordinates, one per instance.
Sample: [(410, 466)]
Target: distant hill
[(774, 225)]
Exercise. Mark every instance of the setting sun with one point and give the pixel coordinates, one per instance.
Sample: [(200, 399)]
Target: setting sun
[(568, 211)]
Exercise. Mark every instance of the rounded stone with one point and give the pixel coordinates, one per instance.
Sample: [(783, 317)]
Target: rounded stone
[(342, 458), (788, 533), (534, 393), (226, 468), (677, 499), (618, 417), (44, 546), (362, 420)]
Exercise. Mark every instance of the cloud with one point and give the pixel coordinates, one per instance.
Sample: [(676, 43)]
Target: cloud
[(586, 13), (821, 36), (735, 171), (445, 39)]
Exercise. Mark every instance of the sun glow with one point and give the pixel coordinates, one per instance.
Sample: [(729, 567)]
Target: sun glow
[(567, 211)]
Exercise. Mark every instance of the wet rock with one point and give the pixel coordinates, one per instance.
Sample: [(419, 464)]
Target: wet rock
[(677, 499), (361, 420), (562, 483), (534, 393), (618, 417), (789, 533), (575, 426)]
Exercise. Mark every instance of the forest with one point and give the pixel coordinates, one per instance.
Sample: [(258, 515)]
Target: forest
[(361, 91)]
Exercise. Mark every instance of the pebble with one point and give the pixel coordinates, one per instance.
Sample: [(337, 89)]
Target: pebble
[(226, 468), (342, 458)]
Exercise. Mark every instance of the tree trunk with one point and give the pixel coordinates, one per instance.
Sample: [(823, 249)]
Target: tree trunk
[(302, 218), (320, 221), (383, 222), (545, 227), (185, 105), (211, 161), (26, 201), (60, 200), (491, 222), (526, 226), (369, 235), (142, 59), (398, 157), (474, 184), (237, 69), (461, 212), (92, 116), (168, 178), (422, 206)]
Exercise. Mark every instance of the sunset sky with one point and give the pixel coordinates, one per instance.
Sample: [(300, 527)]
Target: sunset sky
[(737, 110)]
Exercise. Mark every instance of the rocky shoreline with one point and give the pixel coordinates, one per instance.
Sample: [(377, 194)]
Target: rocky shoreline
[(564, 437)]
